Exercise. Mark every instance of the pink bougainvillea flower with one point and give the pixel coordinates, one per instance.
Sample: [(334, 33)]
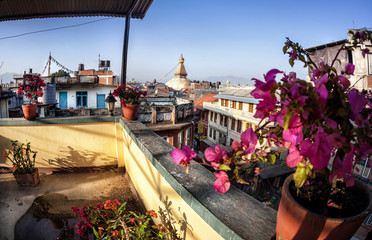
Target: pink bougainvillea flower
[(235, 145), (293, 157), (349, 69), (344, 82), (365, 52), (336, 140), (294, 133), (358, 102), (257, 171), (263, 92), (215, 154), (184, 156), (249, 140), (318, 150), (222, 184)]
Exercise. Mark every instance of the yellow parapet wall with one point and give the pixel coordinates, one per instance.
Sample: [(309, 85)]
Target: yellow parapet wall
[(65, 145), (157, 194)]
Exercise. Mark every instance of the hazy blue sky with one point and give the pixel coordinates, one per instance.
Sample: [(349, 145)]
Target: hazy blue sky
[(217, 37)]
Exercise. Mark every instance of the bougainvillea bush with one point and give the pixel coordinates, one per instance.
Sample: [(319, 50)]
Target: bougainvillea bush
[(324, 124), (111, 220), (129, 95), (32, 87)]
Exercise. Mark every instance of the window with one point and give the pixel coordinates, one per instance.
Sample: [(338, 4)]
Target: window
[(239, 128), (214, 134), (222, 119), (215, 117), (233, 104), (224, 102), (250, 107), (370, 64), (248, 125), (210, 133), (82, 99), (222, 139), (225, 122), (231, 141), (211, 116), (233, 124), (240, 106)]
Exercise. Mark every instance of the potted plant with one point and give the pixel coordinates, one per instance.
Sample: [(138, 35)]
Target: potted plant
[(23, 160), (325, 125), (32, 88), (130, 99), (111, 220)]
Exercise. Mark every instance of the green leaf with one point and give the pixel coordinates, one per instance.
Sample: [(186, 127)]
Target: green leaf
[(287, 118), (291, 62), (299, 177), (285, 48), (224, 167), (272, 158), (260, 140)]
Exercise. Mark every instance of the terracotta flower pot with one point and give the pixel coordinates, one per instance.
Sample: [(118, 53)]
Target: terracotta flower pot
[(27, 179), (130, 111), (296, 222), (29, 111)]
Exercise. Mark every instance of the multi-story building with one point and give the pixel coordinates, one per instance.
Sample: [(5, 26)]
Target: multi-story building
[(230, 116), (201, 132), (362, 78)]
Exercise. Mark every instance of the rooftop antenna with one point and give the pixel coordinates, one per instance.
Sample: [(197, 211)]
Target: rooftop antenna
[(1, 65)]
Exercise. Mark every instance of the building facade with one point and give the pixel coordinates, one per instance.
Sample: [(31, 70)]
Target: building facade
[(230, 116)]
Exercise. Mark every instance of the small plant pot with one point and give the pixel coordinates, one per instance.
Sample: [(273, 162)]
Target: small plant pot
[(29, 111), (130, 111), (27, 179), (296, 222)]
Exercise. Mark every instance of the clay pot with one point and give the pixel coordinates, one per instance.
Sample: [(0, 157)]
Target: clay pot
[(296, 222), (29, 111), (27, 179), (130, 111)]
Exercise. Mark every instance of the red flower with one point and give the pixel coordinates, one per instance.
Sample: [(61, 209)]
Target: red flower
[(115, 233)]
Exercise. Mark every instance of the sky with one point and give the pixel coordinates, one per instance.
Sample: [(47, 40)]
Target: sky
[(240, 38)]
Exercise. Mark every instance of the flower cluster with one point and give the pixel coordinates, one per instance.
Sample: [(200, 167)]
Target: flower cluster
[(22, 157), (111, 220), (32, 87), (129, 95), (322, 123)]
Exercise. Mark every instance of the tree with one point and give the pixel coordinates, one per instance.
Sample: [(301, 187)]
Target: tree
[(60, 73)]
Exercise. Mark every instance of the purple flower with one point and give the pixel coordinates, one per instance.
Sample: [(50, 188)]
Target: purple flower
[(184, 156), (222, 184), (318, 150), (358, 102), (321, 89), (365, 51), (216, 154), (249, 140), (345, 83), (349, 69), (293, 157)]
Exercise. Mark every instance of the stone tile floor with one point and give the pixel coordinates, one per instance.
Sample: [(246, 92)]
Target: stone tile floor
[(63, 189)]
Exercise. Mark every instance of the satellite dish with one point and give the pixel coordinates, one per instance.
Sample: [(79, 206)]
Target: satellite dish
[(228, 81)]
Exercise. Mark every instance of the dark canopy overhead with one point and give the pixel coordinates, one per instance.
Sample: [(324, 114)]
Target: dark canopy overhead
[(27, 9)]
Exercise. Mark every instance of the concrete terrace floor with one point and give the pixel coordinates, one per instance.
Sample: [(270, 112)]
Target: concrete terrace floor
[(65, 189)]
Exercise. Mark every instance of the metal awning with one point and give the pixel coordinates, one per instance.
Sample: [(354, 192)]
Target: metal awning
[(27, 9)]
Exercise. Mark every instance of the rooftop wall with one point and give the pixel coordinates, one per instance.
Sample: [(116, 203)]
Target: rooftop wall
[(196, 209)]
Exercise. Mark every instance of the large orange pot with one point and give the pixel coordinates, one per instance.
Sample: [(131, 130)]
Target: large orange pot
[(296, 222), (29, 111), (130, 111)]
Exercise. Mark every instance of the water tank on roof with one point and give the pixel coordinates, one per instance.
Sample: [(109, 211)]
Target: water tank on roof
[(101, 63), (81, 67), (107, 63), (49, 94)]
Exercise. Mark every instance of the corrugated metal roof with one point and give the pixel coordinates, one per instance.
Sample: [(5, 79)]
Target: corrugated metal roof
[(27, 9)]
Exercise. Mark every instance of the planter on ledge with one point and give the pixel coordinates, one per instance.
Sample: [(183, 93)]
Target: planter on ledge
[(29, 111), (296, 222), (27, 179), (130, 111)]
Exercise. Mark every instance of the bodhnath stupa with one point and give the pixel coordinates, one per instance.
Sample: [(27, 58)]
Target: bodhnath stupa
[(179, 81)]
